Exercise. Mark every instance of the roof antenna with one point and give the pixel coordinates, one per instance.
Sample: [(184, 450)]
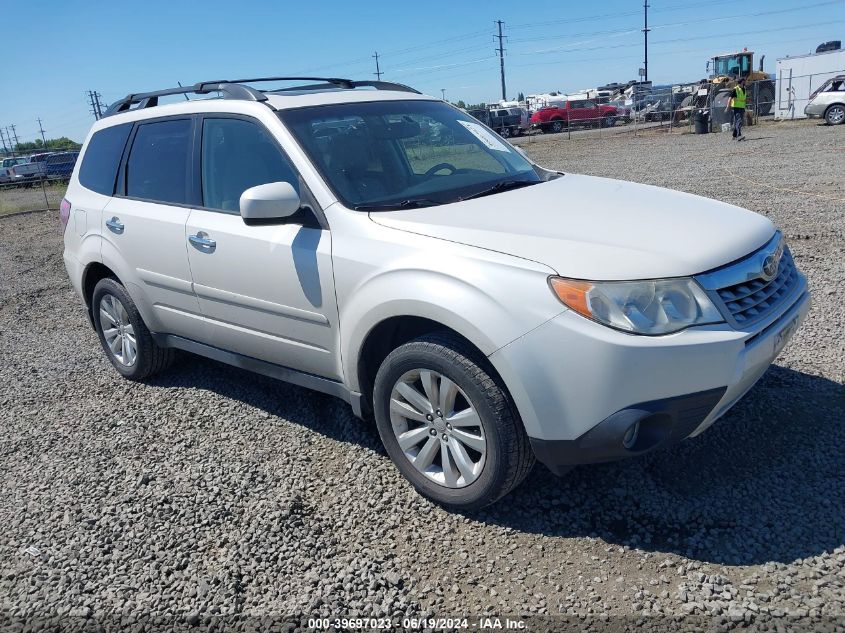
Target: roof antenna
[(184, 93)]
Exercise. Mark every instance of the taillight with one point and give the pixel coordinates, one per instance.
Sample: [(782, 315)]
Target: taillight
[(64, 212)]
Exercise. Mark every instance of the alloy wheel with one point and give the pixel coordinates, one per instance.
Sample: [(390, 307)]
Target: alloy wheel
[(438, 428), (118, 331), (836, 115)]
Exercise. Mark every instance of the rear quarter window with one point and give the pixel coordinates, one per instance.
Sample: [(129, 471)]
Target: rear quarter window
[(102, 158)]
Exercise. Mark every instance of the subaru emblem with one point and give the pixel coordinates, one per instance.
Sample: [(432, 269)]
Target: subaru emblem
[(771, 264)]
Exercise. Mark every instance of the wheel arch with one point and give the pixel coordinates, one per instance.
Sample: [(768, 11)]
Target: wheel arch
[(390, 333), (91, 276)]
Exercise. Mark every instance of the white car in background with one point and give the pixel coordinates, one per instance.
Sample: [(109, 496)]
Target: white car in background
[(482, 309), (828, 101), (6, 167)]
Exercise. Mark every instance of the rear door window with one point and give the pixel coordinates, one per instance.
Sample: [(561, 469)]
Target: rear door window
[(159, 162), (98, 171)]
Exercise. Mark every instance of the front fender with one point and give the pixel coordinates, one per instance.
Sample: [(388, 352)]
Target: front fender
[(488, 314)]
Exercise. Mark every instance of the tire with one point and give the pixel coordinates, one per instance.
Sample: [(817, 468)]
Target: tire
[(499, 454), (835, 114), (505, 132), (609, 121), (557, 126), (765, 100), (112, 306)]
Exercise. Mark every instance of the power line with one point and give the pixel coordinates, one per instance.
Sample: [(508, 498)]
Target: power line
[(501, 60), (607, 16), (378, 72), (574, 46), (670, 24)]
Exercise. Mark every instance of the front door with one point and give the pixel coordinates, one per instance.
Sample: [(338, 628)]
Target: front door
[(267, 291)]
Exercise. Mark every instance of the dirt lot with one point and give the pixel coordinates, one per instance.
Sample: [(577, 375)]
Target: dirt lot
[(210, 492)]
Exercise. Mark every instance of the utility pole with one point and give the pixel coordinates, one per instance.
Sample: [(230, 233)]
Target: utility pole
[(15, 133), (97, 96), (501, 59), (443, 93), (378, 72), (3, 139), (645, 39), (42, 132), (94, 110)]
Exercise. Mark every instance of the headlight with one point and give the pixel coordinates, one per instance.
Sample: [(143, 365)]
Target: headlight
[(658, 306)]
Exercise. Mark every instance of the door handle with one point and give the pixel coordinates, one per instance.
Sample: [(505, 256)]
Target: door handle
[(201, 242), (115, 225)]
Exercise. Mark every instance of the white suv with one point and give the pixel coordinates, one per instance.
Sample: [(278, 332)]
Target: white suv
[(379, 245)]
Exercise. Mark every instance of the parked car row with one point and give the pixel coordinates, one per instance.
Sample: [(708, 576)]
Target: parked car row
[(27, 169)]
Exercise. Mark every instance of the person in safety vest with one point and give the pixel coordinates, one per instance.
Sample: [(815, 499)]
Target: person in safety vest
[(737, 104)]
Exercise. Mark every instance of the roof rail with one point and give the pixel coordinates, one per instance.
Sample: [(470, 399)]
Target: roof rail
[(150, 99), (328, 82), (234, 89)]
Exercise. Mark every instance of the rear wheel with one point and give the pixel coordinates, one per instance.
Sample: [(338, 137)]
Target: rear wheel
[(449, 427), (124, 335), (835, 114), (609, 121)]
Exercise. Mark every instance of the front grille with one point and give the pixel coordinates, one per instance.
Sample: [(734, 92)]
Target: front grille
[(751, 301)]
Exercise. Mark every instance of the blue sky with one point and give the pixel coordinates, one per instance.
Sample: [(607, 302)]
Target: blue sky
[(55, 51)]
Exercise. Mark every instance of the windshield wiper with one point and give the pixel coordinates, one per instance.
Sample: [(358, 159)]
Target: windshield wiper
[(411, 203), (504, 185)]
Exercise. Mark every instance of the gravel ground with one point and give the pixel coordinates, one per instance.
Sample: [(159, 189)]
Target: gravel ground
[(212, 492)]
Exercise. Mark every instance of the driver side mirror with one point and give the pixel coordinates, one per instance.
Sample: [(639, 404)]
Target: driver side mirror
[(271, 201)]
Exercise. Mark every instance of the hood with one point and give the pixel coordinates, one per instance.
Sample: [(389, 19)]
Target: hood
[(596, 228)]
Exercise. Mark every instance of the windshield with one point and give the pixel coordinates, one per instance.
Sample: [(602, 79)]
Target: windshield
[(401, 154), (734, 65)]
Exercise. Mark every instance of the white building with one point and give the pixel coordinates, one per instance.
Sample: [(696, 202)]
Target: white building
[(797, 77)]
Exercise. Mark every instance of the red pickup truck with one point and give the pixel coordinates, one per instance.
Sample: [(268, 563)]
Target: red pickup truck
[(583, 112)]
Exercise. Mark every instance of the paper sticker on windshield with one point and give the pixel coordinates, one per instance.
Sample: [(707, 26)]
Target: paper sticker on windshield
[(485, 136)]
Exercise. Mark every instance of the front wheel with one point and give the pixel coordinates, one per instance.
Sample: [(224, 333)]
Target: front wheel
[(557, 126), (835, 114), (123, 334), (505, 132), (447, 424)]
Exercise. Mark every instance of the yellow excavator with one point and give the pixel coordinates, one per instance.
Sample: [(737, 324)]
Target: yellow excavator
[(725, 70)]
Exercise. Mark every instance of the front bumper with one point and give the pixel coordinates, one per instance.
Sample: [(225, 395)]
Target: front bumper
[(579, 386)]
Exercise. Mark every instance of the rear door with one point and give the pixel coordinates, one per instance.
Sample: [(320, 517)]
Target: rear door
[(144, 224), (266, 290), (92, 190)]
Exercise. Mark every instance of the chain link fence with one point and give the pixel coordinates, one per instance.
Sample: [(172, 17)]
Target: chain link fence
[(34, 180), (674, 108)]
